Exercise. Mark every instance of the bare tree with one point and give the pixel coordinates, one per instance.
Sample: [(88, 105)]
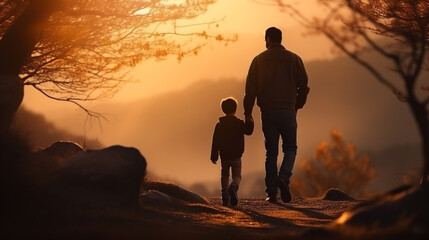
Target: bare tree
[(74, 50), (398, 30)]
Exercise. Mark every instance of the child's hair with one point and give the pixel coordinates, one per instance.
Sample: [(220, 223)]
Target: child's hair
[(229, 105)]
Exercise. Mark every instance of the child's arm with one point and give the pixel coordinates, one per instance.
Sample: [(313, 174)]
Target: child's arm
[(215, 145)]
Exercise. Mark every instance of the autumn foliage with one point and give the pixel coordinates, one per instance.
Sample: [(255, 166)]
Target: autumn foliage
[(85, 48), (398, 31), (336, 164)]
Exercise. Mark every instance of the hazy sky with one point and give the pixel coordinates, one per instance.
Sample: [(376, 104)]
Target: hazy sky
[(215, 61), (247, 18)]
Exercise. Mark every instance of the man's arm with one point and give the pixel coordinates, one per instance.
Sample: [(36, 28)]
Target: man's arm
[(250, 90), (249, 125), (302, 85)]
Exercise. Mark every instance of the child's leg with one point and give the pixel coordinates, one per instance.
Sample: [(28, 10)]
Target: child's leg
[(224, 179), (236, 171), (236, 179)]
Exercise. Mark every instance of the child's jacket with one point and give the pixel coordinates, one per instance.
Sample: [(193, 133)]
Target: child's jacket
[(228, 138)]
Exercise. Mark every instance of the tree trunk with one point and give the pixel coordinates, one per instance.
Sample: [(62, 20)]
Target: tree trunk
[(421, 116), (16, 46), (11, 94), (19, 40)]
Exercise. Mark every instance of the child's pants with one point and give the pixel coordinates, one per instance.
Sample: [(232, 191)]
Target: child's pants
[(235, 166)]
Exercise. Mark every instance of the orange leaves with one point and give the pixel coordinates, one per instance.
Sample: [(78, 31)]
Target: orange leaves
[(219, 37), (336, 164), (204, 35), (87, 45)]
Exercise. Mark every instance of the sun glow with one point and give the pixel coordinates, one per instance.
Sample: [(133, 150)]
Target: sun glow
[(343, 218), (174, 2), (143, 11), (146, 10)]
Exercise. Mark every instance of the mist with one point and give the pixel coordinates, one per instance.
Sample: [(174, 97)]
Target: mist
[(173, 130)]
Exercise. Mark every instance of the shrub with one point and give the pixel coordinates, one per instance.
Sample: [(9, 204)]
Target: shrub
[(335, 165)]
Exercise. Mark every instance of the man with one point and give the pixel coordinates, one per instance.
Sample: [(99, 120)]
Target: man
[(278, 81)]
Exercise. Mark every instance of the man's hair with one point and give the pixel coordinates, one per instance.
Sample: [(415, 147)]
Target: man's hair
[(229, 105), (274, 34)]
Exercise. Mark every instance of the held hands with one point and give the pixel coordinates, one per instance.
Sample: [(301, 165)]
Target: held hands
[(248, 118)]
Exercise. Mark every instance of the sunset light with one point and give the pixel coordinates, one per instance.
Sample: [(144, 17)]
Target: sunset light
[(143, 11), (169, 3), (214, 119)]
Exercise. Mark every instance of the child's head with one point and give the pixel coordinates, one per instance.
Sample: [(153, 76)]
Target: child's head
[(229, 105)]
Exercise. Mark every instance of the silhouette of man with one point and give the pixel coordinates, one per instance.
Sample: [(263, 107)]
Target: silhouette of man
[(278, 81)]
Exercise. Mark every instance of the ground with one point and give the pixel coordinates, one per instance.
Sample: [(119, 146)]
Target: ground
[(253, 218), (300, 214)]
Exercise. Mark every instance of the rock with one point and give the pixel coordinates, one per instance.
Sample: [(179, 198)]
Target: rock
[(335, 194), (44, 164), (61, 151), (167, 196), (154, 197), (401, 212), (164, 202), (110, 177), (174, 190)]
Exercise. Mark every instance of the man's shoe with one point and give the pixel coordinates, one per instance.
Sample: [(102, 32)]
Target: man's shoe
[(233, 194), (225, 202), (271, 199), (284, 190), (225, 199)]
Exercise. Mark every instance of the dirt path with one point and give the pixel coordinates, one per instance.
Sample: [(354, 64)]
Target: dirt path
[(301, 213), (256, 218), (252, 219)]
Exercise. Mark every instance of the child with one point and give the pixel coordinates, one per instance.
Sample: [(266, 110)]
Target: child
[(228, 141)]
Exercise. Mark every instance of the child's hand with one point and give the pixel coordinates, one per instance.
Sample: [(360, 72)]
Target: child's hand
[(214, 161)]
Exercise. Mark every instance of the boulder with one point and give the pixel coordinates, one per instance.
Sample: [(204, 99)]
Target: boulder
[(400, 213), (105, 178), (59, 152), (173, 190), (335, 194), (160, 201), (45, 163), (154, 197)]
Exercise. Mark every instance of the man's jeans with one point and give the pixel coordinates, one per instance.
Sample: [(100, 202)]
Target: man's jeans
[(275, 124)]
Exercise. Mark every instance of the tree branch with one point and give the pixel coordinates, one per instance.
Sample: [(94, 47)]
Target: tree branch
[(71, 100), (363, 63)]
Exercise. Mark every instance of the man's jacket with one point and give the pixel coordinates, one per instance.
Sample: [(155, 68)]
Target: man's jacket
[(277, 79)]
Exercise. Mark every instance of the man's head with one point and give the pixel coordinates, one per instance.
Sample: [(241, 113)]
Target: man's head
[(229, 105), (273, 35)]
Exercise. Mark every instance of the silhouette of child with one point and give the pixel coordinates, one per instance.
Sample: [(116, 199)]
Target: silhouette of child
[(228, 142)]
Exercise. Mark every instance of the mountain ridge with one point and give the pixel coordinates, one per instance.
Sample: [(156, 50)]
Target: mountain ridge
[(174, 129)]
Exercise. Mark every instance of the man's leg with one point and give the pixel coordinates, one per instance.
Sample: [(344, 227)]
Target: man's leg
[(289, 146), (271, 135)]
